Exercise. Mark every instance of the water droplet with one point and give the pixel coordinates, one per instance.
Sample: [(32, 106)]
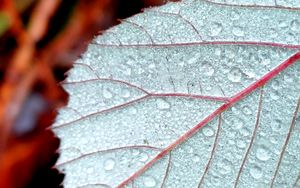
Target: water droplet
[(235, 15), (207, 68), (235, 75), (273, 33), (107, 94), (90, 170), (241, 144), (276, 126), (225, 166), (262, 153), (109, 164), (149, 181), (274, 95), (196, 158), (247, 110), (162, 104), (208, 131), (256, 172), (295, 25), (132, 110), (238, 31), (215, 29), (245, 132), (125, 93), (144, 157), (275, 84)]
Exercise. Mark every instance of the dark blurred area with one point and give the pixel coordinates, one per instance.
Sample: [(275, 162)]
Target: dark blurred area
[(39, 40)]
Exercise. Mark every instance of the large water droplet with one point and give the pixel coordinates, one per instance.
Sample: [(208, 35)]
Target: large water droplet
[(162, 104), (149, 181), (207, 68), (107, 94), (256, 172), (262, 153), (109, 164), (215, 29), (235, 75), (238, 31)]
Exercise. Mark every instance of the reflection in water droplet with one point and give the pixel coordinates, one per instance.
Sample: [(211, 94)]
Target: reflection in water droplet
[(107, 94), (208, 131), (162, 104), (149, 181), (143, 157), (256, 172), (215, 29), (262, 153), (238, 31), (109, 164), (235, 75), (207, 68)]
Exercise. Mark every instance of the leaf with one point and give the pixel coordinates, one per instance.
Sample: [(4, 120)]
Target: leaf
[(190, 94)]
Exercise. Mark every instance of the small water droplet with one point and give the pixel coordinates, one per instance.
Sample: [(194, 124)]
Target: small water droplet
[(109, 164), (235, 15), (238, 31), (162, 104), (275, 84), (90, 170), (295, 25), (241, 144), (247, 110), (132, 110), (143, 157), (215, 29), (235, 75), (224, 166), (107, 94), (256, 172), (244, 132), (125, 93), (262, 153), (273, 33), (276, 126), (274, 95), (149, 181), (196, 158), (208, 131), (207, 68)]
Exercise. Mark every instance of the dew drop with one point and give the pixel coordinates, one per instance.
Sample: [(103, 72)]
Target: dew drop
[(207, 68), (235, 15), (132, 110), (107, 94), (273, 33), (256, 172), (295, 25), (125, 93), (235, 75), (262, 153), (144, 157), (238, 31), (247, 110), (162, 104), (276, 126), (208, 131), (90, 170), (196, 158), (225, 167), (274, 95), (109, 164), (215, 29), (241, 144), (149, 181)]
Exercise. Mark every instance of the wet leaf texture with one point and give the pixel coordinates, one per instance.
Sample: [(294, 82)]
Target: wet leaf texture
[(190, 94)]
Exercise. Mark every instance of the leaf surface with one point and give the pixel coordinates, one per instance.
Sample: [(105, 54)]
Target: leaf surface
[(190, 94)]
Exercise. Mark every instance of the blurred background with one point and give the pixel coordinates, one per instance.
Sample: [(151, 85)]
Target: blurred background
[(39, 40)]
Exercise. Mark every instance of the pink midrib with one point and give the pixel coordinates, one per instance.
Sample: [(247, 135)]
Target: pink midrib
[(263, 80)]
